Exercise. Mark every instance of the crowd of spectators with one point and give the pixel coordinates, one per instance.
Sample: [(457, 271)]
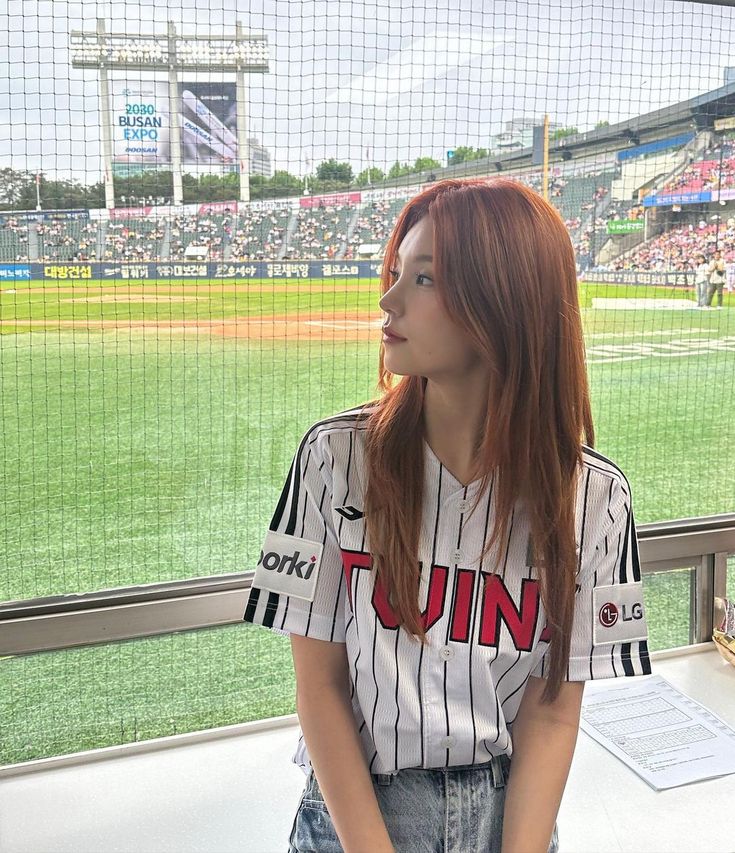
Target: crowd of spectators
[(210, 231), (320, 232), (716, 170), (63, 240), (13, 240), (679, 248), (259, 234), (134, 240), (374, 223), (535, 181)]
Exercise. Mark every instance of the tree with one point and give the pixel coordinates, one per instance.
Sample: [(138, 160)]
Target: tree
[(282, 183), (16, 189), (425, 164), (463, 154), (397, 170), (331, 170), (564, 131), (603, 123), (149, 184), (373, 175)]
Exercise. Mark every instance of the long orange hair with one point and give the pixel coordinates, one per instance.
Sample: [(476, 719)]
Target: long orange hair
[(505, 272)]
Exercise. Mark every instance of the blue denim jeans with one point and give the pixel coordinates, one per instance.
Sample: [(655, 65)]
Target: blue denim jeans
[(440, 810)]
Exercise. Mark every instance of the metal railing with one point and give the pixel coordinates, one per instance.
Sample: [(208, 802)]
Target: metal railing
[(59, 622)]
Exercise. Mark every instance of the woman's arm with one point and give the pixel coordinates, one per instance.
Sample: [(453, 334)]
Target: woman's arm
[(330, 732), (544, 737)]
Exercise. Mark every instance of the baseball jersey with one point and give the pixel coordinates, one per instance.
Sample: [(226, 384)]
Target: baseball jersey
[(454, 700)]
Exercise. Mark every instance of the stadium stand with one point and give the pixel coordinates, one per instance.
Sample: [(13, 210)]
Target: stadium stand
[(277, 233), (321, 232), (67, 240), (374, 222), (259, 234), (135, 240), (679, 248), (211, 230), (706, 174), (13, 241)]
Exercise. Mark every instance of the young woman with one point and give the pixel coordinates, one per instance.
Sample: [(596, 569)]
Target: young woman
[(451, 561)]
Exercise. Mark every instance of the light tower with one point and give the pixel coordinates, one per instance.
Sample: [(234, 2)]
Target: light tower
[(241, 54)]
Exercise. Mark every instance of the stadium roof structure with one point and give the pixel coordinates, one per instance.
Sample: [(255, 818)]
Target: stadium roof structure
[(240, 52), (696, 114)]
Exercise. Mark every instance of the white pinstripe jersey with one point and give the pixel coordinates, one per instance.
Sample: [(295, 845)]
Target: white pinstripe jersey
[(454, 700)]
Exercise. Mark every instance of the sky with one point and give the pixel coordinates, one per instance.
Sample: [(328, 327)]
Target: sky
[(353, 79)]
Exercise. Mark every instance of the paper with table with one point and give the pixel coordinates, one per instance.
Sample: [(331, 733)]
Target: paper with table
[(667, 738)]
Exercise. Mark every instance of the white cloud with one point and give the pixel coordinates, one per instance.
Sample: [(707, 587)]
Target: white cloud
[(425, 58), (405, 80)]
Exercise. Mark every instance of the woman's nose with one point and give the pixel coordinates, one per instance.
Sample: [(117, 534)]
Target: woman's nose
[(389, 301)]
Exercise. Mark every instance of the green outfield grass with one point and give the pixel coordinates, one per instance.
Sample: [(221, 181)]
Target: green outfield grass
[(28, 301), (132, 457)]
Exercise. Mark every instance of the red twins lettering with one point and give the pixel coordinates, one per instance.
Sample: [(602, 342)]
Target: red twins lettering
[(497, 604)]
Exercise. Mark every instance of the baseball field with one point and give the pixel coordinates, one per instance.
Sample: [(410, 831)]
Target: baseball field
[(147, 428)]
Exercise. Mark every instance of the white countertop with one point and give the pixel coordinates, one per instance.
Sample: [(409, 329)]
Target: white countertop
[(240, 794), (608, 807)]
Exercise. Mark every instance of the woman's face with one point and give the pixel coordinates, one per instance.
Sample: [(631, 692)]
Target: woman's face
[(434, 346)]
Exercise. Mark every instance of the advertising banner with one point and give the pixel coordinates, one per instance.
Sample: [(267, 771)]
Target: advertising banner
[(326, 200), (217, 207), (659, 145), (130, 212), (217, 270), (140, 122), (14, 272), (208, 270), (208, 116), (624, 226), (675, 277), (677, 198), (43, 215)]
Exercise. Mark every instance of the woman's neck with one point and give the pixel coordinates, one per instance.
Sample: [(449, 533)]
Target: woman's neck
[(454, 421)]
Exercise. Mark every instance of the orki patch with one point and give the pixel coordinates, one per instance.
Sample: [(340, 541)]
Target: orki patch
[(619, 615), (288, 565)]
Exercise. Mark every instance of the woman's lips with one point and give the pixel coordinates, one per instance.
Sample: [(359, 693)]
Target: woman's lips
[(389, 338)]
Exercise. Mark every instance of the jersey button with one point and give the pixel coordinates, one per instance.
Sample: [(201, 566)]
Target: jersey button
[(457, 556), (447, 652), (464, 506), (447, 741)]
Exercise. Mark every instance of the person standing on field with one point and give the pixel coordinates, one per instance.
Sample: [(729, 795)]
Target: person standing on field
[(730, 267), (701, 281), (716, 279), (451, 559)]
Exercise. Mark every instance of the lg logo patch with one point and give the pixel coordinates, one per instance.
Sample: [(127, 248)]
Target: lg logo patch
[(609, 613)]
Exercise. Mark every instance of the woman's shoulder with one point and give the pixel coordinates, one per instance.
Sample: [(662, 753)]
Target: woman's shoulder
[(604, 473), (349, 421)]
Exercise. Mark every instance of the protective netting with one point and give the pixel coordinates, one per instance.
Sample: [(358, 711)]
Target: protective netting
[(194, 200)]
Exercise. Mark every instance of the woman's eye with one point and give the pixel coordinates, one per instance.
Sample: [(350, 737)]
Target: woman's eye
[(420, 278)]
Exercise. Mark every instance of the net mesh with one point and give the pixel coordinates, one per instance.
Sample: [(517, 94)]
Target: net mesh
[(188, 262)]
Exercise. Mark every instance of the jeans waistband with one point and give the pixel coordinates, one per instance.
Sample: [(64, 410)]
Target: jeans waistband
[(498, 765)]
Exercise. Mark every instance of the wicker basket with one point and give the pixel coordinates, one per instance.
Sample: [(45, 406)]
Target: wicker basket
[(724, 629), (721, 644)]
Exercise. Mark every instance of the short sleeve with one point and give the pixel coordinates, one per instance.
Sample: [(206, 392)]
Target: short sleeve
[(299, 586), (609, 633)]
